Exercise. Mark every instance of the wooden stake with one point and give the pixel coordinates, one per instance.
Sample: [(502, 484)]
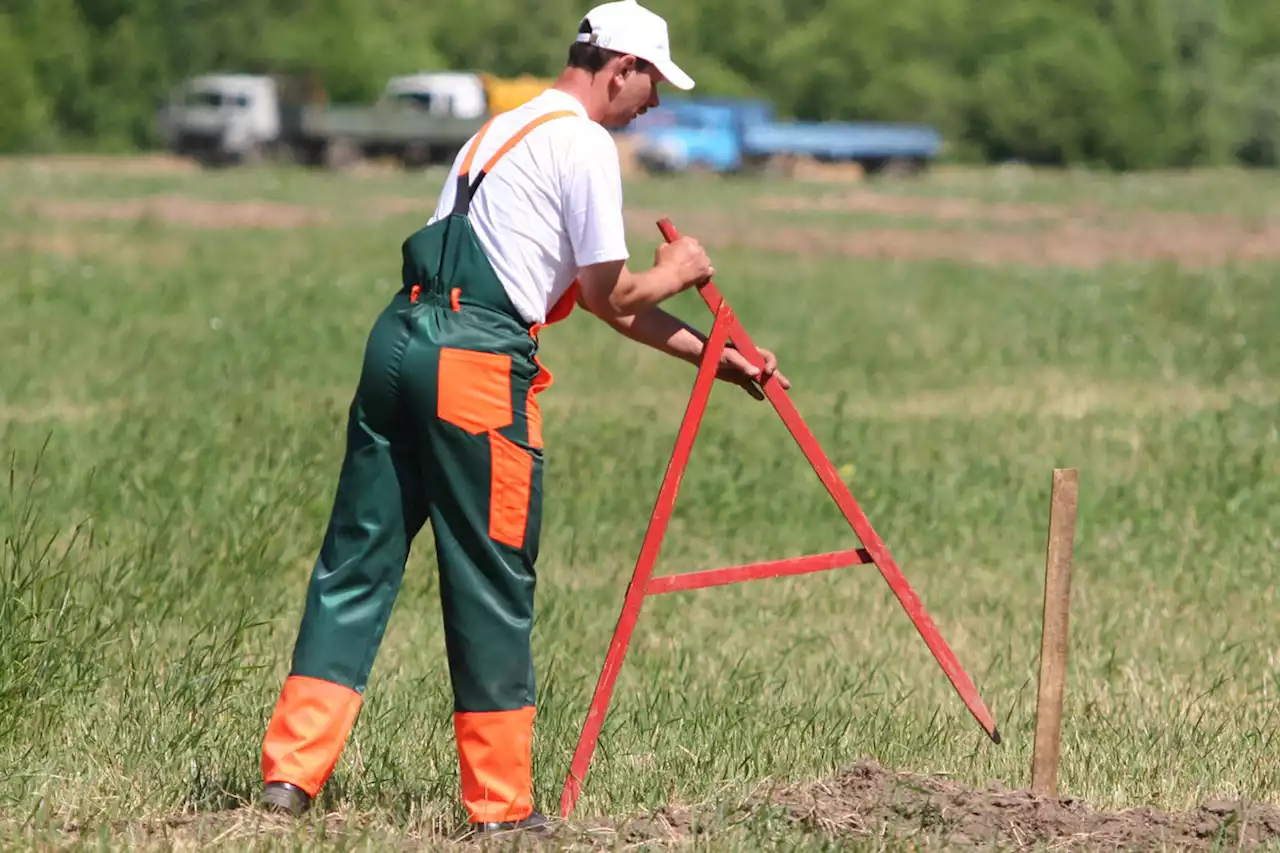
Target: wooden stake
[(1053, 639)]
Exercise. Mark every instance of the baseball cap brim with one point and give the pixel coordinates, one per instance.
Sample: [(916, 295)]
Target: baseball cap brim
[(674, 74)]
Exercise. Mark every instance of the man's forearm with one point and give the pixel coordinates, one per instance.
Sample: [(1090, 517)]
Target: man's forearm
[(636, 293), (663, 332)]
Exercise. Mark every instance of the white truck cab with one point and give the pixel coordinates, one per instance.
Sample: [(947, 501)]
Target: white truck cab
[(446, 93), (223, 117)]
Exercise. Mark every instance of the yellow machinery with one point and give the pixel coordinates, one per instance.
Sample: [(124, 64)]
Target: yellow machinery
[(508, 93)]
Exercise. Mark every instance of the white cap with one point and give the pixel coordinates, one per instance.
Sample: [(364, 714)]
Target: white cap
[(628, 27)]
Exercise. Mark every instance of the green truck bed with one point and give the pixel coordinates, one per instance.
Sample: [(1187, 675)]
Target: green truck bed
[(385, 123)]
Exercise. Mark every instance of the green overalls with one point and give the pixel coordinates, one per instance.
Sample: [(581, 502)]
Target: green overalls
[(444, 425)]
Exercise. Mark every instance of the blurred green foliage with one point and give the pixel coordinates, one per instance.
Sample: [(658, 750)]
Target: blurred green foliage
[(1120, 83)]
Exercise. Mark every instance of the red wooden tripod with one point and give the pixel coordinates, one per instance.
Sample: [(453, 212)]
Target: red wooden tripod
[(725, 328)]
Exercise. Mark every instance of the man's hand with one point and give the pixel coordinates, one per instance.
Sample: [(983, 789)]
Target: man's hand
[(687, 261), (611, 291), (735, 368)]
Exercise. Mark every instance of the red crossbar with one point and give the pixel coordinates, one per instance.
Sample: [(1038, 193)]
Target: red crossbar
[(725, 328), (757, 571)]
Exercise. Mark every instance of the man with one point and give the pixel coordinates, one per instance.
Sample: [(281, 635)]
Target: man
[(445, 423)]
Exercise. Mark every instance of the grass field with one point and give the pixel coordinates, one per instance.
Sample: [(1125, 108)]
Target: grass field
[(177, 350)]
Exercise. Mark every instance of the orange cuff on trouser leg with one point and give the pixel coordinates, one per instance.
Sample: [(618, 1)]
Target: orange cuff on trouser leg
[(495, 753), (308, 730)]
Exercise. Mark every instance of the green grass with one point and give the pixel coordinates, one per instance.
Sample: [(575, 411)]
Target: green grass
[(172, 411)]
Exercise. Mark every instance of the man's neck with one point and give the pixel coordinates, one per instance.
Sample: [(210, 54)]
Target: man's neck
[(579, 85)]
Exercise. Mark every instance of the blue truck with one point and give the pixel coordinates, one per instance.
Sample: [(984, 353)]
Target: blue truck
[(737, 135)]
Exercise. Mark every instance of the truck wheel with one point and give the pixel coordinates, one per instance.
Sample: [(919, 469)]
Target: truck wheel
[(444, 154), (415, 155), (874, 166), (309, 153), (903, 167), (254, 155), (341, 154)]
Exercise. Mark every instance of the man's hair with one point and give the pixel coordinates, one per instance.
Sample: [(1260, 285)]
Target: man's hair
[(592, 57)]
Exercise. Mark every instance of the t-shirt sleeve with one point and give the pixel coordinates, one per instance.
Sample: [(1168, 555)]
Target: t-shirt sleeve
[(593, 199)]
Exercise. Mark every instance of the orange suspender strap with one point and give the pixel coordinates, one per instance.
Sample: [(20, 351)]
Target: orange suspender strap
[(466, 189), (475, 146), (524, 131)]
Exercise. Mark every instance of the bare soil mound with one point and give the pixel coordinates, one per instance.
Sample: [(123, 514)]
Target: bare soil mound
[(203, 214), (139, 164), (1188, 240), (944, 208), (181, 210), (868, 799)]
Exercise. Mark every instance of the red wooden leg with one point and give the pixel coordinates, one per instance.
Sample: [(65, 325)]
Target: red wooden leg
[(648, 556)]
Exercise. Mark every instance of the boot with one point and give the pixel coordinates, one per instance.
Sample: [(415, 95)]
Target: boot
[(536, 823), (283, 797)]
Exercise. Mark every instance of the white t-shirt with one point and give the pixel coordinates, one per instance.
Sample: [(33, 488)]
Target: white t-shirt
[(551, 205)]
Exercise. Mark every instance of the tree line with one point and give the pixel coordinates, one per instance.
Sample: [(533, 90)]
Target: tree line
[(1127, 84)]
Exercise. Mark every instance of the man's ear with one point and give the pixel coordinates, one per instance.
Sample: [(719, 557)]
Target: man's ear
[(626, 66)]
